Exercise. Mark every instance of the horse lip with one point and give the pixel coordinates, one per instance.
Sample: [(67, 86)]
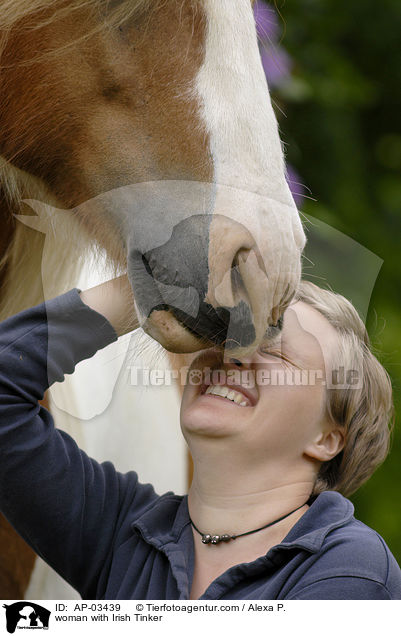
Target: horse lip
[(234, 387)]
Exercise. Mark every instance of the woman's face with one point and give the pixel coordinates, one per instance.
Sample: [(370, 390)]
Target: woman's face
[(278, 395)]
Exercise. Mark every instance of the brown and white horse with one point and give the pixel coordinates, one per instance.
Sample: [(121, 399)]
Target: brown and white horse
[(150, 120)]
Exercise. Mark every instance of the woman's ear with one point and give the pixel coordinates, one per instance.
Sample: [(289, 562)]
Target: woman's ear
[(326, 445)]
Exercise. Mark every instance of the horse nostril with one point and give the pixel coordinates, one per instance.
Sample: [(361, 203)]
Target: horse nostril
[(273, 330), (147, 266), (237, 283), (280, 322)]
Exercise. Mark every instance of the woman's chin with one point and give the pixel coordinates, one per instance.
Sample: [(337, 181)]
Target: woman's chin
[(211, 415)]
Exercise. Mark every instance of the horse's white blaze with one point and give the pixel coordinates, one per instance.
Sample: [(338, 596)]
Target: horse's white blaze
[(236, 104), (248, 159)]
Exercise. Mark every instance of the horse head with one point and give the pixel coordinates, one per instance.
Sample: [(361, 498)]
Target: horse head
[(152, 122)]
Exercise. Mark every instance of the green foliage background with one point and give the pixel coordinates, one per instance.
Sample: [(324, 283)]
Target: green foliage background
[(340, 124)]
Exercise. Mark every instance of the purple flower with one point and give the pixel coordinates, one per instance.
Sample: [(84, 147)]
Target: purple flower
[(267, 23), (277, 64), (295, 185)]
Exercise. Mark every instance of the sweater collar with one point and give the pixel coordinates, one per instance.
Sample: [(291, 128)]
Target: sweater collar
[(328, 511), (164, 522)]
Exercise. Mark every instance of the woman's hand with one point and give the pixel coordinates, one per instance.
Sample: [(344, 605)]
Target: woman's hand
[(115, 301)]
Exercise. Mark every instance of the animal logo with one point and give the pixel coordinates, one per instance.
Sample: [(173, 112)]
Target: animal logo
[(23, 615)]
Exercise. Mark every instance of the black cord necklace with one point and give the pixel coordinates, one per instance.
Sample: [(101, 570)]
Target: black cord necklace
[(214, 539)]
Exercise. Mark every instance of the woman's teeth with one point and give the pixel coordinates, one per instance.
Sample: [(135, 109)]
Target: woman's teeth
[(225, 392)]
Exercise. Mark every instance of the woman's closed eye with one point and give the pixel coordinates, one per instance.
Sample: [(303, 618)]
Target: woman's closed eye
[(266, 351), (277, 353)]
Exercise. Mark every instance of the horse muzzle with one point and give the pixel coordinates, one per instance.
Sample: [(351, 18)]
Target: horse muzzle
[(206, 285)]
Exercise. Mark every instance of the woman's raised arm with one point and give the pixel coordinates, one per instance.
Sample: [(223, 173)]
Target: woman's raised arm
[(115, 301), (64, 504)]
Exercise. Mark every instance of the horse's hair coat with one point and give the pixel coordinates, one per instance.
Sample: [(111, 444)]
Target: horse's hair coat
[(12, 11), (22, 256)]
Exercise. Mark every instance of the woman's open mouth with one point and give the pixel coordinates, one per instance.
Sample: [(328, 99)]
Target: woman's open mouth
[(236, 395)]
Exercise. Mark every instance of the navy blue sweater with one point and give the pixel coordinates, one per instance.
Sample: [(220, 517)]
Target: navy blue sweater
[(111, 537)]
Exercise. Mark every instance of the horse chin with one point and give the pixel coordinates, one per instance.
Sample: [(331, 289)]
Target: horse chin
[(164, 327)]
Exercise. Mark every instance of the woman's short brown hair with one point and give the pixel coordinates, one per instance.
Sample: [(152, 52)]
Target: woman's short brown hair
[(365, 411)]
